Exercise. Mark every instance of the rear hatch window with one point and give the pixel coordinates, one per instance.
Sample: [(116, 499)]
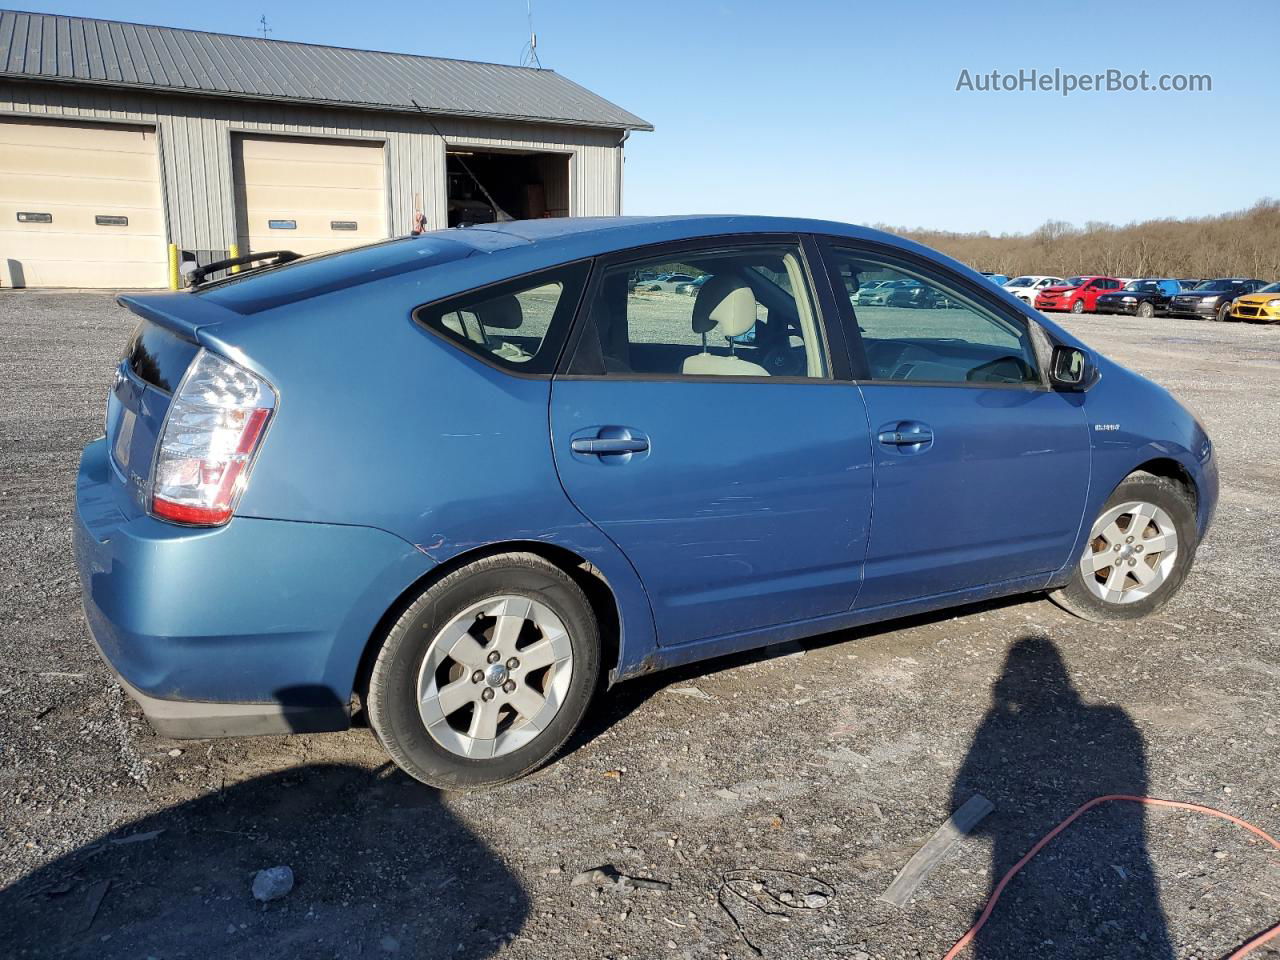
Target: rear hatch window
[(159, 357), (297, 280), (149, 373)]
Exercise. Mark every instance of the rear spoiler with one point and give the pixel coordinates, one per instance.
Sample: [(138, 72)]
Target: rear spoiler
[(277, 257), (176, 312)]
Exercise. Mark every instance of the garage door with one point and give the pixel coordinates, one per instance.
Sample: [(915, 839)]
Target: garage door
[(308, 195), (80, 206)]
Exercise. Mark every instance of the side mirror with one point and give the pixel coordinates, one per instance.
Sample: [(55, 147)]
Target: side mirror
[(1069, 367)]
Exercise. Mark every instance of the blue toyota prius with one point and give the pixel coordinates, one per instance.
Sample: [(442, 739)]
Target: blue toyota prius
[(457, 480)]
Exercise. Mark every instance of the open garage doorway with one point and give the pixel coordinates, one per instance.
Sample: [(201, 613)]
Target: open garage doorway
[(523, 185)]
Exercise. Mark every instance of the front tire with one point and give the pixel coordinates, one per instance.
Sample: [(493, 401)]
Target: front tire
[(487, 674), (1077, 307), (1146, 310), (1224, 313), (1139, 551)]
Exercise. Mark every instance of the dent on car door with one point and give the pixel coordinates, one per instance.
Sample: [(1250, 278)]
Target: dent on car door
[(981, 472), (709, 439)]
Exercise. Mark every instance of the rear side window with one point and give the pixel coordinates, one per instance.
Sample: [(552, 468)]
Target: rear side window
[(159, 357), (519, 325)]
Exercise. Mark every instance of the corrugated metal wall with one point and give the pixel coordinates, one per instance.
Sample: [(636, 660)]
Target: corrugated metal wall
[(195, 143)]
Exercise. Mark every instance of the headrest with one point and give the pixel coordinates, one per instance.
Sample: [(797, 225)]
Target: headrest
[(502, 313), (724, 302)]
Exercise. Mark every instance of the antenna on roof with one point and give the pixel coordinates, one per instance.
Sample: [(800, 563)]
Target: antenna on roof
[(262, 26), (529, 53), (499, 214)]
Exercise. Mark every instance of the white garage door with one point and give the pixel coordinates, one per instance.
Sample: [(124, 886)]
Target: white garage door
[(80, 206), (308, 195)]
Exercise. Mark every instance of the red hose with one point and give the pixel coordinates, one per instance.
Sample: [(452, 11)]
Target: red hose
[(1097, 801)]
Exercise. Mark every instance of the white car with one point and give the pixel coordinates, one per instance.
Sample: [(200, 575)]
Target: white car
[(1026, 288)]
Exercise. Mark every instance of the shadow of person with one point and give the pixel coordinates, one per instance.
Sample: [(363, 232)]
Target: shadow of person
[(381, 867), (1040, 752)]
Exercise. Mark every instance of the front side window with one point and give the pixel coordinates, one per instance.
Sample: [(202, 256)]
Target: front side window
[(519, 324), (927, 330), (737, 312)]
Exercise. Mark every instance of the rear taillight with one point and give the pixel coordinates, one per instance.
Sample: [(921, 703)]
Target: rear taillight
[(211, 433)]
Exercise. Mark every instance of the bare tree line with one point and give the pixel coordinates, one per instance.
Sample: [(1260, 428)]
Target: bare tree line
[(1243, 243)]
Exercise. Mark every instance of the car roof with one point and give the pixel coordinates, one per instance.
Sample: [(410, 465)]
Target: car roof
[(619, 233), (487, 253)]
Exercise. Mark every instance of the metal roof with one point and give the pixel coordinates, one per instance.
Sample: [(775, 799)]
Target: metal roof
[(36, 46)]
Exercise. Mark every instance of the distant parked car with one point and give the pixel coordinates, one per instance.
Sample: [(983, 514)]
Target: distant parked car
[(1211, 300), (881, 293), (863, 293), (999, 279), (1077, 294), (1260, 307), (1143, 298), (1025, 288), (919, 296), (665, 282), (693, 286)]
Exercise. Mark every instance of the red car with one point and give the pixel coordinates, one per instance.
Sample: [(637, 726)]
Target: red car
[(1078, 294)]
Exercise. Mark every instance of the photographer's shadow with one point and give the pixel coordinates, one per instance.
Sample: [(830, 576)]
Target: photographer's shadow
[(382, 868), (1040, 752)]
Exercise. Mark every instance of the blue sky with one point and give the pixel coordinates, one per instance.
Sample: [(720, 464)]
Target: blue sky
[(849, 111)]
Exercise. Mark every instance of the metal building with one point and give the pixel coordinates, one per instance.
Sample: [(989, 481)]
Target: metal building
[(117, 139)]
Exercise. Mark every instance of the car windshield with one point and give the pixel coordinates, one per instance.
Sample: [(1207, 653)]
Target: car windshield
[(1075, 281), (1020, 282), (1271, 288), (1145, 286), (1211, 285)]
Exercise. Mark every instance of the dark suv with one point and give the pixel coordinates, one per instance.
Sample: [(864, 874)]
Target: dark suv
[(1211, 300)]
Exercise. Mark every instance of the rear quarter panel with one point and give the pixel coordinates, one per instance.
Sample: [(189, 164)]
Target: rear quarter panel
[(383, 424)]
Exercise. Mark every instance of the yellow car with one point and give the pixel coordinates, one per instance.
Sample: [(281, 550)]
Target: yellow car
[(1260, 307)]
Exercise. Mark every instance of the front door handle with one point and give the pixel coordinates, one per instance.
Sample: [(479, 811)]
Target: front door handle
[(606, 445), (902, 438), (611, 444)]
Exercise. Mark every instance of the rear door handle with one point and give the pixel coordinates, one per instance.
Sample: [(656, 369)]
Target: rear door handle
[(902, 438), (606, 445)]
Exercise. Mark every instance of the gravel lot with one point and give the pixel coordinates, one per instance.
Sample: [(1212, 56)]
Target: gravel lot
[(778, 794)]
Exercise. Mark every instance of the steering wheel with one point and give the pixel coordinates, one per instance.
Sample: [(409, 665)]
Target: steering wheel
[(1008, 369), (783, 360)]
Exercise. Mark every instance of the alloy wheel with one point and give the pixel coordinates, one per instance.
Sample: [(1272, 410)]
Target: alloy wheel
[(494, 677), (1132, 550)]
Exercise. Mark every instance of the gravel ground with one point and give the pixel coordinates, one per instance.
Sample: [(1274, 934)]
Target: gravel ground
[(778, 794)]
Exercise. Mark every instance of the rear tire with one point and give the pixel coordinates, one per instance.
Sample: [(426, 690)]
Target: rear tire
[(1140, 549), (448, 729)]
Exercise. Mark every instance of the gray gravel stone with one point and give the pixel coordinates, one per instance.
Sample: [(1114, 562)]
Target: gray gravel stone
[(272, 883)]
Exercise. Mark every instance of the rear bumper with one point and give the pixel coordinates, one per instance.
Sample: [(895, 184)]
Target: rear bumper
[(198, 720), (255, 627)]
